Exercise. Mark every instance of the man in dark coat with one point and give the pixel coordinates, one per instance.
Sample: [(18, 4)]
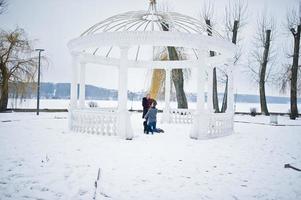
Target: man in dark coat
[(146, 104)]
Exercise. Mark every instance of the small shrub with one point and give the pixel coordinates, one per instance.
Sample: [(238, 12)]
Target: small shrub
[(93, 104), (253, 112)]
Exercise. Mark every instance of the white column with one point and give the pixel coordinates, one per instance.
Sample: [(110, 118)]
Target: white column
[(73, 86), (230, 97), (200, 125), (124, 124), (198, 118), (167, 95), (210, 89), (123, 79), (82, 83), (200, 108)]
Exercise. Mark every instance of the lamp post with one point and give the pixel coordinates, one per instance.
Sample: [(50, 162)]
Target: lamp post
[(39, 73)]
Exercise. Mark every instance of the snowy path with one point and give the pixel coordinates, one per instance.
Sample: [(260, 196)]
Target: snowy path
[(40, 159)]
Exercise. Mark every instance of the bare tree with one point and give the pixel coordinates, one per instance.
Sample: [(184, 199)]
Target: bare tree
[(262, 56), (294, 26), (3, 6), (171, 53), (235, 18), (207, 14), (16, 62), (177, 74)]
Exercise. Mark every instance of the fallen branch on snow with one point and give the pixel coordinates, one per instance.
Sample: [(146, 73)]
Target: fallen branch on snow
[(97, 185), (292, 167)]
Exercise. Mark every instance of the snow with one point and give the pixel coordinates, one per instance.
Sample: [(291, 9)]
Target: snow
[(41, 159)]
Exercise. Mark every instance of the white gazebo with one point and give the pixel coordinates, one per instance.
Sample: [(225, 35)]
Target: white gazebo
[(130, 33)]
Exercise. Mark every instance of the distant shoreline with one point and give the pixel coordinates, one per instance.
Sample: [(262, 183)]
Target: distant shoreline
[(61, 91), (63, 104), (139, 111)]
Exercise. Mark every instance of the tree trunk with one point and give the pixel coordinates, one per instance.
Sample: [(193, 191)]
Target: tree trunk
[(234, 41), (177, 74), (235, 31), (214, 93), (263, 102), (214, 80), (262, 74), (294, 72), (224, 106), (4, 91), (178, 79)]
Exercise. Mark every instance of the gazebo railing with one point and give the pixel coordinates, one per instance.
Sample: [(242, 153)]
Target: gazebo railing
[(101, 121), (216, 124), (220, 124), (181, 116)]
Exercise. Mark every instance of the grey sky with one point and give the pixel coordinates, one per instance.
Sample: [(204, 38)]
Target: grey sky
[(54, 22)]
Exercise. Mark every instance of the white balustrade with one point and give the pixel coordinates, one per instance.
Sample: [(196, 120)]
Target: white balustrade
[(95, 121), (103, 121), (180, 116), (219, 124)]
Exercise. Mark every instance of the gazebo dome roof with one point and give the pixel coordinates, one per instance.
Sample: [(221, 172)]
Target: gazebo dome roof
[(151, 20), (148, 34), (148, 22)]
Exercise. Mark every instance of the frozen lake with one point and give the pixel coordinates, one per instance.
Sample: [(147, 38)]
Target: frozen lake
[(63, 104)]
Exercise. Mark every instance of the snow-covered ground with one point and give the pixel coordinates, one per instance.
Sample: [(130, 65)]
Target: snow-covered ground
[(41, 159)]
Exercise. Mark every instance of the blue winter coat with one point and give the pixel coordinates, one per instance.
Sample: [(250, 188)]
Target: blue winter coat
[(151, 115)]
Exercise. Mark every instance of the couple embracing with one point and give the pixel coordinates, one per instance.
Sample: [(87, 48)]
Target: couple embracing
[(150, 115)]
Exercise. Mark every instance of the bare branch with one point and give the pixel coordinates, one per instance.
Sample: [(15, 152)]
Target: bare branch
[(207, 11), (235, 11), (285, 77), (262, 56), (292, 20), (3, 6), (165, 6), (264, 23)]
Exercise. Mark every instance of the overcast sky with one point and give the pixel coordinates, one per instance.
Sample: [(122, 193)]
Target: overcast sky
[(52, 23)]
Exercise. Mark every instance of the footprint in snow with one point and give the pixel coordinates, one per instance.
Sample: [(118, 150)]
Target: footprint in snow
[(2, 183)]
